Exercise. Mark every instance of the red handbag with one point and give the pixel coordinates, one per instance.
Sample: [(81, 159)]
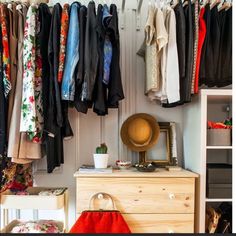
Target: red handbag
[(100, 221)]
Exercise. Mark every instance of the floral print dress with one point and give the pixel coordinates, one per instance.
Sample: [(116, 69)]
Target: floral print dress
[(31, 107), (5, 54)]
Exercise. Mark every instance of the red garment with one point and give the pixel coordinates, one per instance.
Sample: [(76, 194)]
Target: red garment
[(201, 38), (100, 222), (63, 40), (5, 51)]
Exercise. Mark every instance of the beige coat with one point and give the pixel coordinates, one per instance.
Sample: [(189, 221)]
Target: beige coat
[(20, 148)]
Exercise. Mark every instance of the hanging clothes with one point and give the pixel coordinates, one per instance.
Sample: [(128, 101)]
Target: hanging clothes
[(28, 110), (82, 28), (45, 23), (73, 32), (195, 7), (180, 39), (224, 72), (81, 106), (31, 108), (189, 52), (172, 64), (201, 38), (181, 47), (107, 48), (54, 116), (205, 47), (213, 50), (35, 48), (63, 40), (162, 16), (2, 103), (100, 93), (5, 52), (209, 62), (91, 58), (152, 79), (13, 23), (157, 37), (54, 139), (72, 54), (115, 89), (20, 148)]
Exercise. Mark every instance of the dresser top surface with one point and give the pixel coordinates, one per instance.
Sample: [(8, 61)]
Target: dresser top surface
[(159, 173)]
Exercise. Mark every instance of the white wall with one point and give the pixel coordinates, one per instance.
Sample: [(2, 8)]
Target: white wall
[(90, 130)]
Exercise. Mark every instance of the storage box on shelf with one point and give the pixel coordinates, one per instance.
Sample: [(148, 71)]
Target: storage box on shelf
[(219, 137), (219, 180), (34, 201)]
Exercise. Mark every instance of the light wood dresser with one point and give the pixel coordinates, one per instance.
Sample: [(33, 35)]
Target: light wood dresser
[(157, 202)]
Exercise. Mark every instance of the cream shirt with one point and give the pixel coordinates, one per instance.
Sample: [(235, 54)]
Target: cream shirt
[(152, 84), (161, 39)]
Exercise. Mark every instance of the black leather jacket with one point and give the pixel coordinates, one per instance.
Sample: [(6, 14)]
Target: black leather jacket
[(91, 54)]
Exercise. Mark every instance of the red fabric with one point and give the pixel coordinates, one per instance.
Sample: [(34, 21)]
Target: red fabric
[(201, 38), (100, 222)]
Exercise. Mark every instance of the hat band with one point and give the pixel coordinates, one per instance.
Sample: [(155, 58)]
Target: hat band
[(143, 144)]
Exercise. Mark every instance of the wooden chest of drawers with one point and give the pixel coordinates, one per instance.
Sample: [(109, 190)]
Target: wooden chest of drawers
[(158, 202)]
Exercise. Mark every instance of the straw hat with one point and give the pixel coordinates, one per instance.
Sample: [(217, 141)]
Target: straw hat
[(140, 132)]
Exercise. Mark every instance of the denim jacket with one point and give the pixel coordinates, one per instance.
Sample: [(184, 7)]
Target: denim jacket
[(72, 54)]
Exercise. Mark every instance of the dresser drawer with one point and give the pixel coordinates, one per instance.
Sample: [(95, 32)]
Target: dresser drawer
[(140, 195), (159, 223)]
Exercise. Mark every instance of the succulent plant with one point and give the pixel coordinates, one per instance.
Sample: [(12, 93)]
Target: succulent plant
[(102, 149)]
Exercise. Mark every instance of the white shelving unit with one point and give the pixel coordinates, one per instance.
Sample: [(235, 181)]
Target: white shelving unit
[(34, 202), (196, 150)]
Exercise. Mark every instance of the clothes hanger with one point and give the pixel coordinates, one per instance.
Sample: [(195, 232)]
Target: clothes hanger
[(19, 7), (173, 3), (161, 3), (201, 2), (9, 6), (225, 5), (185, 2), (215, 3), (156, 3)]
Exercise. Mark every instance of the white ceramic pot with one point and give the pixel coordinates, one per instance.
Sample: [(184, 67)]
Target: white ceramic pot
[(100, 160)]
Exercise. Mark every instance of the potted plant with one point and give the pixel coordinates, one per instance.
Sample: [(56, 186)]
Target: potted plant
[(101, 156)]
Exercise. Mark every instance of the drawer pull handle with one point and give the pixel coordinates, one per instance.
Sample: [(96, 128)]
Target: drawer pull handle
[(171, 196), (171, 231)]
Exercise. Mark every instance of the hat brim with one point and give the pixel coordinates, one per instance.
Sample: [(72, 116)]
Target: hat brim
[(155, 132)]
